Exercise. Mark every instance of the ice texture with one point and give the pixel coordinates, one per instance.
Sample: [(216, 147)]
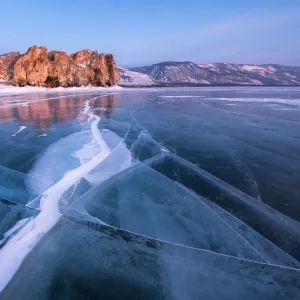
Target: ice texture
[(117, 264), (105, 205), (274, 226), (17, 248)]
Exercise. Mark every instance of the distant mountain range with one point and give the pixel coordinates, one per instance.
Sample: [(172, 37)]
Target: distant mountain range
[(191, 74)]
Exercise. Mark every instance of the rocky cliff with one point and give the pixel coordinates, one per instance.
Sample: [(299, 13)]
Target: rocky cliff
[(37, 67), (7, 63)]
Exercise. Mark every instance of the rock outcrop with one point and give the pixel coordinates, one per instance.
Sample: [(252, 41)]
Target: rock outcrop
[(112, 69), (37, 67), (33, 68), (64, 70), (7, 63), (2, 73)]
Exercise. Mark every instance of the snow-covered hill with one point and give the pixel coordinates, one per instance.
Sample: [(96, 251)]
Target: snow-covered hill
[(131, 78), (189, 73), (175, 73)]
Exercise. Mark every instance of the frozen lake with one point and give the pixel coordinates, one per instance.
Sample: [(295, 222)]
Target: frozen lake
[(159, 193)]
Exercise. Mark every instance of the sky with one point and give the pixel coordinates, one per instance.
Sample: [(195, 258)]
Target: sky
[(146, 32)]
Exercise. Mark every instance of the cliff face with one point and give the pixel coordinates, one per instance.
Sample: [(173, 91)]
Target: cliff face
[(33, 68), (1, 68), (112, 69), (7, 65), (37, 67)]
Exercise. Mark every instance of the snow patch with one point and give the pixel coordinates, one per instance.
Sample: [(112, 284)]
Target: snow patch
[(21, 129), (179, 96), (11, 90), (250, 68), (295, 102), (130, 78)]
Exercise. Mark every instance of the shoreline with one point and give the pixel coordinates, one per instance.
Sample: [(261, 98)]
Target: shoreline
[(6, 90), (202, 85)]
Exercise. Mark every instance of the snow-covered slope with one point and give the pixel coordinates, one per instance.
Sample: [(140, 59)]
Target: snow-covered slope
[(221, 73), (131, 78), (175, 73), (255, 74)]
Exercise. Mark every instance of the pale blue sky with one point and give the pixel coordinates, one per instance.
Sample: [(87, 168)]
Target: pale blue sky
[(145, 32)]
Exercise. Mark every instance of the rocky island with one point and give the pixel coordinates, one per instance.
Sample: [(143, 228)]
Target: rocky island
[(38, 67)]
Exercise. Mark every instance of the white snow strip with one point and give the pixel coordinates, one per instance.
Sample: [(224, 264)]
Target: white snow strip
[(17, 226), (100, 108), (130, 78), (44, 134), (86, 106), (21, 129), (183, 96), (11, 90), (295, 102)]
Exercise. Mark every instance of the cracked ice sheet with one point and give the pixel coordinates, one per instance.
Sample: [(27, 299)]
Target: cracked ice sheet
[(10, 215), (73, 151), (145, 202), (19, 246), (83, 260), (275, 235), (13, 186)]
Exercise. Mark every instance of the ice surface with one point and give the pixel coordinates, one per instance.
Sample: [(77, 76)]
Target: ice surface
[(143, 201), (18, 247), (15, 228), (117, 264), (13, 217), (105, 206), (13, 186), (274, 226), (270, 252), (145, 147), (47, 171)]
